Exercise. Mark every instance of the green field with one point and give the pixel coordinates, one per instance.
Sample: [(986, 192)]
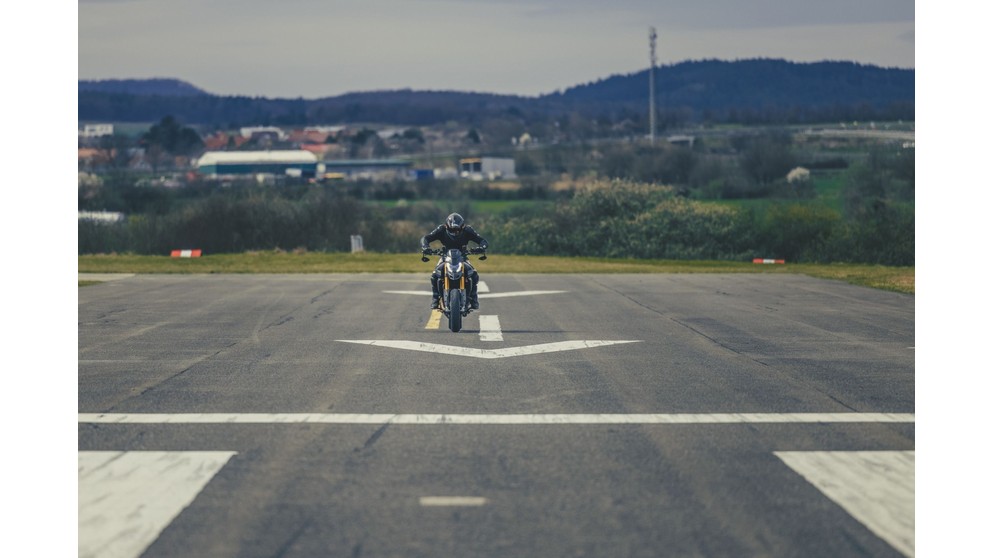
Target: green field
[(898, 279)]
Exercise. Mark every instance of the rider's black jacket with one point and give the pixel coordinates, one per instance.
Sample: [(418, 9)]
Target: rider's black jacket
[(459, 241)]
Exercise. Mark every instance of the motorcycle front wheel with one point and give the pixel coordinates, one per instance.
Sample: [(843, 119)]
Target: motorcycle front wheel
[(455, 310)]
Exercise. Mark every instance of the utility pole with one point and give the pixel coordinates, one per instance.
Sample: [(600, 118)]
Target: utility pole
[(653, 36)]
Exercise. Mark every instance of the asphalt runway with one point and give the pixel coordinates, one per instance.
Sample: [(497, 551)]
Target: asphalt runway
[(574, 415)]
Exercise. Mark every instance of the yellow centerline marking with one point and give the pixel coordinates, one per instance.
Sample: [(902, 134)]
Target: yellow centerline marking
[(435, 320)]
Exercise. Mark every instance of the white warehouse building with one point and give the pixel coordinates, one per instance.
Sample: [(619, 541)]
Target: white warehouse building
[(284, 162), (482, 168)]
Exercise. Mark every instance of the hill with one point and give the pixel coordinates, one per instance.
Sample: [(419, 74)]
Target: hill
[(156, 86), (744, 91)]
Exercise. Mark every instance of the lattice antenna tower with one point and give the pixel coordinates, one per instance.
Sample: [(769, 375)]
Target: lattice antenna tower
[(653, 38)]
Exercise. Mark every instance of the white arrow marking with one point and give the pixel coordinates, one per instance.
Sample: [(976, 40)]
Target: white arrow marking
[(489, 329), (486, 353), (483, 287)]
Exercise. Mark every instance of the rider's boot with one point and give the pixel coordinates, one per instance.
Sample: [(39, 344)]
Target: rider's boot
[(435, 296), (473, 297)]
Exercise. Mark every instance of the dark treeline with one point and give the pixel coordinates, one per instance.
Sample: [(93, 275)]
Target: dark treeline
[(747, 92)]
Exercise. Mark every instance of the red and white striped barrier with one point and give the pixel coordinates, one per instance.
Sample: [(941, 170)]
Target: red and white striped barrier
[(767, 261), (186, 253)]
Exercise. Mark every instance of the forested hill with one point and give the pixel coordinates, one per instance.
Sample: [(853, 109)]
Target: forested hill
[(154, 86), (744, 91)]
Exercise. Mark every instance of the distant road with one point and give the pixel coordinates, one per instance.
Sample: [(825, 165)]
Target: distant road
[(630, 415), (901, 135)]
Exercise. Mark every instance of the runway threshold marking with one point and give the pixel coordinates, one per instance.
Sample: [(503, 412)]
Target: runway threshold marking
[(493, 419), (126, 499), (876, 487)]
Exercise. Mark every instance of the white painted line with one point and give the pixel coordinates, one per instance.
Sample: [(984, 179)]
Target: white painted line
[(429, 501), (519, 293), (486, 353), (876, 487), (126, 499), (489, 329), (481, 293), (519, 419), (483, 288)]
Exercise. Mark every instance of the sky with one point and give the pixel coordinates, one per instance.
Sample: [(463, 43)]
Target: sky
[(320, 48)]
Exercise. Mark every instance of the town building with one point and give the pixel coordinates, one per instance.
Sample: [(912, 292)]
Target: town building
[(297, 163), (371, 169), (96, 130), (486, 168)]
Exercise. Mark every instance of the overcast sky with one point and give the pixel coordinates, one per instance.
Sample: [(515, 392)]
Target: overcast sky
[(317, 48)]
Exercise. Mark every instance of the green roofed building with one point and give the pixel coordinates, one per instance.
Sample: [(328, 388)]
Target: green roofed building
[(288, 162)]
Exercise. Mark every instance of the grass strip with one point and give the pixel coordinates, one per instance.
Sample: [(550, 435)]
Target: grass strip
[(897, 279)]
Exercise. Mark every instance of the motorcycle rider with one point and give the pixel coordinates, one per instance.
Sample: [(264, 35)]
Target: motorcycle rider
[(454, 233)]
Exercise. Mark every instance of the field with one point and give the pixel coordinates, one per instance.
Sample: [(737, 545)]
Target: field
[(897, 279)]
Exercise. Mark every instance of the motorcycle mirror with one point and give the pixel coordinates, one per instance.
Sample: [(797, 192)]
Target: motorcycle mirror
[(424, 258), (482, 257)]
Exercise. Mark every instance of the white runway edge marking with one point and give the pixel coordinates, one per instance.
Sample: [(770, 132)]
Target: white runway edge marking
[(126, 499), (489, 329), (876, 487), (519, 293), (429, 501), (481, 295), (485, 353), (517, 419), (483, 288)]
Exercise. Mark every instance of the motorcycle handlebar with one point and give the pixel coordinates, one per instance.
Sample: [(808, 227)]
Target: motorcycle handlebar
[(440, 251)]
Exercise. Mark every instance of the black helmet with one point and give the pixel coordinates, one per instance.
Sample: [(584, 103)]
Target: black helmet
[(454, 223)]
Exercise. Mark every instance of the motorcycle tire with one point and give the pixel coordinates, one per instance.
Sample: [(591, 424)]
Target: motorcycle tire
[(455, 310)]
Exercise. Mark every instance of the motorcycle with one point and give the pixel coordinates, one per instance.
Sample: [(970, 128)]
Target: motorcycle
[(453, 302)]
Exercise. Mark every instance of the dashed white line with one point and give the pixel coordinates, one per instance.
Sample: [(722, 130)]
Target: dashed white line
[(489, 329), (463, 501)]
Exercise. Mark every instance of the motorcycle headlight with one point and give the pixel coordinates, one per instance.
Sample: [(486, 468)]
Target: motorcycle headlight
[(454, 271)]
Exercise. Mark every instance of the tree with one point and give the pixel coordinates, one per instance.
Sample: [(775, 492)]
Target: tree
[(171, 137), (767, 158)]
